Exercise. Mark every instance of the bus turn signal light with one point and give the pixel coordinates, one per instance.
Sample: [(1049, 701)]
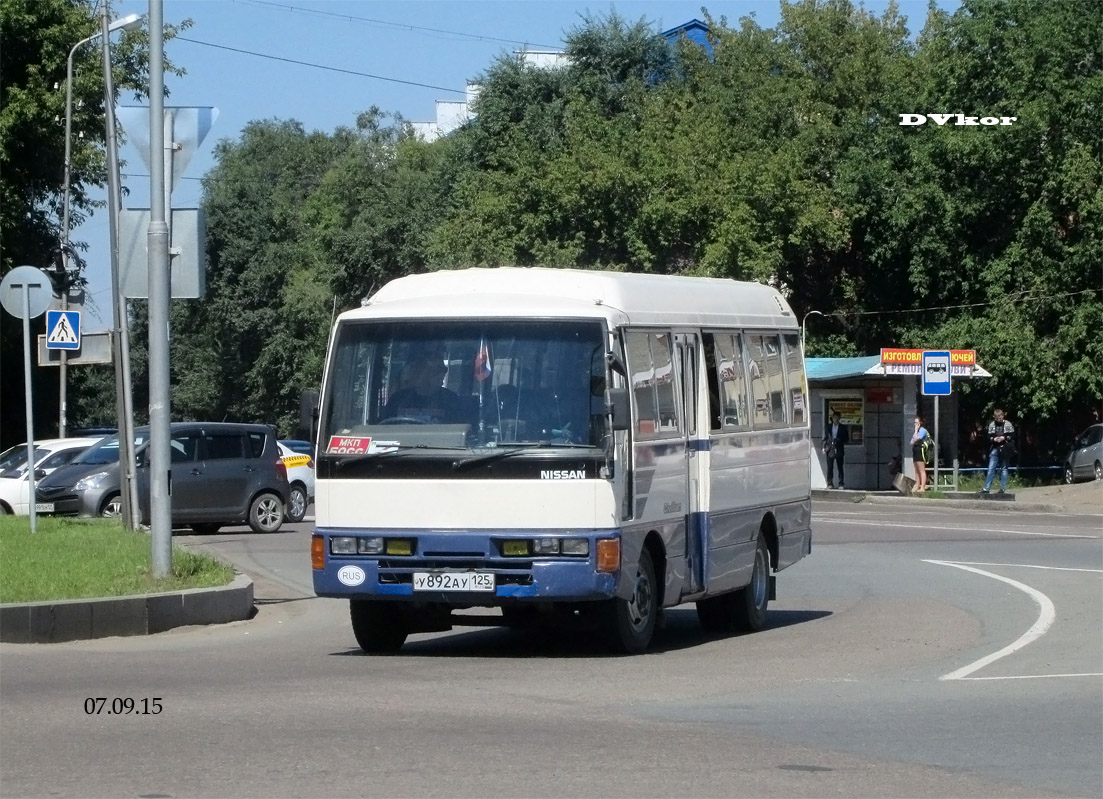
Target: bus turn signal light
[(608, 555), (317, 552)]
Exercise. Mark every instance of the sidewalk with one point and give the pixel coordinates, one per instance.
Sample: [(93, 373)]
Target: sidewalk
[(1084, 498)]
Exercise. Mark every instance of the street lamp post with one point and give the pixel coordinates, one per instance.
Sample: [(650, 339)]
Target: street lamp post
[(127, 22), (803, 322), (123, 404)]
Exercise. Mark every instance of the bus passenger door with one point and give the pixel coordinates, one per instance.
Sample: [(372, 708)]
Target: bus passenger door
[(696, 441)]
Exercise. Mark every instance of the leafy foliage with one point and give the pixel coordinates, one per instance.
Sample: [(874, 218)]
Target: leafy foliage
[(37, 37), (776, 156)]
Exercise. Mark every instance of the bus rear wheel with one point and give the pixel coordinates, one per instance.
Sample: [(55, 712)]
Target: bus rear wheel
[(749, 611), (380, 627), (631, 622), (743, 610)]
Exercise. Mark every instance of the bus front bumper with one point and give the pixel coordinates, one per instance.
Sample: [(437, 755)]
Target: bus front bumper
[(529, 578)]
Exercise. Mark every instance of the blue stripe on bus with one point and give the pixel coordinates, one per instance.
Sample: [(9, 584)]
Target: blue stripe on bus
[(700, 445), (699, 530)]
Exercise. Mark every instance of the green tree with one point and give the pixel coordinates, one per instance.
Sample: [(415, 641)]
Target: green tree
[(300, 226), (1019, 206), (776, 155), (35, 39)]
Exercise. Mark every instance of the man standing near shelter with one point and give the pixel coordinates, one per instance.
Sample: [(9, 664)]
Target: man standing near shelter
[(835, 439), (1001, 442)]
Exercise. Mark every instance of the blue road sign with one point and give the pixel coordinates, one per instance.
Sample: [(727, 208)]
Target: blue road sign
[(936, 373), (63, 330)]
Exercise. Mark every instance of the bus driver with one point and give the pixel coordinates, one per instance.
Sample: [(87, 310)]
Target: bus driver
[(423, 398)]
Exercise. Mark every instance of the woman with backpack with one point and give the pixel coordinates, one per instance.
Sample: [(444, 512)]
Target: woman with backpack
[(921, 443)]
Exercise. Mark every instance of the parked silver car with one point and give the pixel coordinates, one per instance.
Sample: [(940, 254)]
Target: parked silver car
[(1085, 459), (89, 485), (222, 473)]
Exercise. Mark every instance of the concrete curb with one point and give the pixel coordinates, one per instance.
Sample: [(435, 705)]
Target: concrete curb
[(973, 504), (143, 614)]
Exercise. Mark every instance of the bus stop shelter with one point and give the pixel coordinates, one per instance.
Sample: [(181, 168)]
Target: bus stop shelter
[(877, 402)]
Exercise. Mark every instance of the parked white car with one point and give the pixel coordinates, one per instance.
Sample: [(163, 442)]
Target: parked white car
[(300, 473), (49, 454)]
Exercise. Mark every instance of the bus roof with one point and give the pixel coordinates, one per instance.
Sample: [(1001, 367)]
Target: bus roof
[(621, 297)]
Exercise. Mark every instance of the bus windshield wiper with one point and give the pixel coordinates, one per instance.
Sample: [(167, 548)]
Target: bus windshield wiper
[(504, 452)]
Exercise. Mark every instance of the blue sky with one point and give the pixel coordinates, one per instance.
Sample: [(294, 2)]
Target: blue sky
[(439, 45)]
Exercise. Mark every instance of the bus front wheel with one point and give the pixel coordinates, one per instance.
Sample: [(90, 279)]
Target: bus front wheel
[(631, 622), (380, 627)]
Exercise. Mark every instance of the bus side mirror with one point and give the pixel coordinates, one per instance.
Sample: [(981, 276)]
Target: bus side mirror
[(616, 405), (308, 414)]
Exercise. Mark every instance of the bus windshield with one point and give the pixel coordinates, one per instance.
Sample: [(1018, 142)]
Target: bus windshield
[(461, 384)]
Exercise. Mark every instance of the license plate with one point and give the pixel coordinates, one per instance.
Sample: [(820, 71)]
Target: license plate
[(43, 507), (453, 581)]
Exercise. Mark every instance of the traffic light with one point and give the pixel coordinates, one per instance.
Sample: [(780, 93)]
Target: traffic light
[(64, 280)]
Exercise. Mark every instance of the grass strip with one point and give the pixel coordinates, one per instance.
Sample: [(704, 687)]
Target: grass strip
[(87, 558)]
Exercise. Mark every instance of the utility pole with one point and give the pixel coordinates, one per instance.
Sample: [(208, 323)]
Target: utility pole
[(157, 244), (123, 406)]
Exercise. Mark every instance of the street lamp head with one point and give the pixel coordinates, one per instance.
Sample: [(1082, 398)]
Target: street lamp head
[(127, 23)]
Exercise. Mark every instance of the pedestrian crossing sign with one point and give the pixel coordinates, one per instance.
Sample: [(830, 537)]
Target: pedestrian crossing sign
[(63, 330)]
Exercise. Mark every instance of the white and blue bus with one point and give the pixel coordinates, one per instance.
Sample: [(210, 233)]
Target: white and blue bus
[(557, 442)]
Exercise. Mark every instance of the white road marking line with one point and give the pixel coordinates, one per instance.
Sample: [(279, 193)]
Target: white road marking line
[(1029, 677), (1036, 631), (918, 526), (1030, 566)]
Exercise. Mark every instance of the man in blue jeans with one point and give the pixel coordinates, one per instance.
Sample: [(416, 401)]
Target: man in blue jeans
[(1001, 437)]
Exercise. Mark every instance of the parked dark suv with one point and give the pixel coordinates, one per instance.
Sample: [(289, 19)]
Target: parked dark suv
[(222, 473)]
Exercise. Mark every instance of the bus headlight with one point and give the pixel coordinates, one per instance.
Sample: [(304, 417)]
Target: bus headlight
[(575, 546), (370, 546), (545, 546), (342, 545)]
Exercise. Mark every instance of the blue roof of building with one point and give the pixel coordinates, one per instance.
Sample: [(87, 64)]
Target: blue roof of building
[(694, 30), (838, 368)]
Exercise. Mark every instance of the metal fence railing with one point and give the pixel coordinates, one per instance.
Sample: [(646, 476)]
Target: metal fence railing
[(950, 476)]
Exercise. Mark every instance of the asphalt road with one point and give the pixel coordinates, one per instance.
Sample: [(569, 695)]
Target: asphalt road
[(917, 652)]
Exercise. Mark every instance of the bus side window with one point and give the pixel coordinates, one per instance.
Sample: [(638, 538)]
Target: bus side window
[(732, 381), (651, 372), (714, 382), (794, 369), (767, 380), (662, 356)]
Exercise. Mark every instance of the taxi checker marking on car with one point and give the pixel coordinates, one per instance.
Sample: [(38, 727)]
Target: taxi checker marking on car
[(291, 461)]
